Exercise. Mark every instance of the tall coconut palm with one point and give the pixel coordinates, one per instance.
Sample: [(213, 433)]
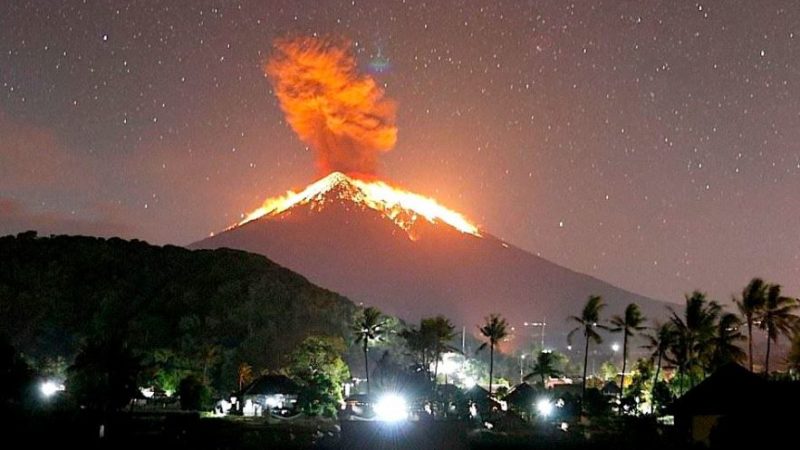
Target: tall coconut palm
[(429, 341), (778, 318), (694, 330), (495, 329), (725, 341), (750, 306), (368, 327), (630, 324), (442, 332), (588, 323), (659, 341), (545, 367)]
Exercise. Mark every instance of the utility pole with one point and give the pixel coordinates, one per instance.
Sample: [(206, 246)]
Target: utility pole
[(544, 324), (463, 340)]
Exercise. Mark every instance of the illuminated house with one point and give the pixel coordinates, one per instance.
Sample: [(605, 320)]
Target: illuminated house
[(275, 394)]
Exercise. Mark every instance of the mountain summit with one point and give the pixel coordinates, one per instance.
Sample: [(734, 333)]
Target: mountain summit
[(403, 208), (412, 258)]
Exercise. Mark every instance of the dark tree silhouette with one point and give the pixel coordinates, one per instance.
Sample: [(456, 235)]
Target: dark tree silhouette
[(428, 341), (659, 342), (103, 376), (16, 377), (442, 332), (694, 331), (725, 341), (495, 329), (194, 393), (630, 324), (368, 328), (778, 318), (545, 367), (751, 306), (588, 322), (417, 342)]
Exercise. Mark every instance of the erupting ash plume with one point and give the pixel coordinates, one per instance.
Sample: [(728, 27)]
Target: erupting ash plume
[(342, 115), (346, 119)]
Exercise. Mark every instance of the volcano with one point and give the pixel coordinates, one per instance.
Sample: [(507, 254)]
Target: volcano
[(412, 258)]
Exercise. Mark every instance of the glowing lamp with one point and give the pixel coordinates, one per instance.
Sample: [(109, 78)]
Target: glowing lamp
[(391, 408), (50, 388), (544, 407)]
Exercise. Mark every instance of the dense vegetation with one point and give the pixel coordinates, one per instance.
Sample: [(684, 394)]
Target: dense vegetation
[(204, 312)]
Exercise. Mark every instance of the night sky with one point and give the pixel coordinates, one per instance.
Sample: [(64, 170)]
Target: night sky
[(652, 144)]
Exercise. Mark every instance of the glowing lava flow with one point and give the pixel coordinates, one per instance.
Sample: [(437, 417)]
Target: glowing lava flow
[(402, 207)]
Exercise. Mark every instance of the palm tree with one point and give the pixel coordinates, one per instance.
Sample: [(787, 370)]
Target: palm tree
[(778, 318), (367, 328), (495, 329), (659, 342), (417, 344), (725, 341), (750, 307), (630, 325), (441, 332), (587, 322), (545, 367), (429, 341), (694, 331)]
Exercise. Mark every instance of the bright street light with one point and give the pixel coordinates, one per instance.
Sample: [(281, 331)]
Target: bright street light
[(545, 407), (50, 388), (615, 347), (391, 408)]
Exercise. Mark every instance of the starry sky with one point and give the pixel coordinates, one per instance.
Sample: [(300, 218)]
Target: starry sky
[(652, 144)]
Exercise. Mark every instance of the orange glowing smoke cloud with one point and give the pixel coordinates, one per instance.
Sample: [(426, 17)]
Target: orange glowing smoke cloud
[(342, 115)]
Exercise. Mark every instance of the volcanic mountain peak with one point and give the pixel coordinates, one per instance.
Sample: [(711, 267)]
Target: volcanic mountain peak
[(401, 207)]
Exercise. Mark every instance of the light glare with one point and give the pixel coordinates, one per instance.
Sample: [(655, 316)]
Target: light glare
[(49, 388), (545, 407), (391, 408)]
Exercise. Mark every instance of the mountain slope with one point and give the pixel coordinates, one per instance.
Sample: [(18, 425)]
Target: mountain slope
[(344, 244), (57, 291)]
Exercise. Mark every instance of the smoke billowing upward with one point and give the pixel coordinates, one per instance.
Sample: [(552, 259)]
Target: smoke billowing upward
[(341, 114)]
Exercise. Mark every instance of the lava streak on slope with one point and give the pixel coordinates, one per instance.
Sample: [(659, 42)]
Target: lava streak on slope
[(400, 206)]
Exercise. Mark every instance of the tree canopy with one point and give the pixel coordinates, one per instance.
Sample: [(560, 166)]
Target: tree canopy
[(203, 311)]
